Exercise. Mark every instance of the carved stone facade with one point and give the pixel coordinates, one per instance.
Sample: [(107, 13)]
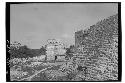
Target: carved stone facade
[(55, 50)]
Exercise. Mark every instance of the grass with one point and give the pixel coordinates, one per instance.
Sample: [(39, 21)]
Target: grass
[(40, 77)]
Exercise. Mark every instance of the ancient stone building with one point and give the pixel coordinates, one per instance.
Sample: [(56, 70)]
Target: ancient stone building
[(55, 50), (98, 34), (99, 45)]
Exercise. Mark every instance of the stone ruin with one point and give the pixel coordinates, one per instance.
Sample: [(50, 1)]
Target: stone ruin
[(55, 50)]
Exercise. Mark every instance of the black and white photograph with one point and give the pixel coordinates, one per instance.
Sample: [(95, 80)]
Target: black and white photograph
[(63, 42)]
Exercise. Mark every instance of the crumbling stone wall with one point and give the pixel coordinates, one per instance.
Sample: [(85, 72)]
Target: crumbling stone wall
[(99, 45)]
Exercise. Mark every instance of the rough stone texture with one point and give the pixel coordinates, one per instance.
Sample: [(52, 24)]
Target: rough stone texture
[(54, 48), (61, 58), (99, 45)]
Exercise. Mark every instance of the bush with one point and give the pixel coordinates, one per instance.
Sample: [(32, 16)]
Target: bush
[(25, 52)]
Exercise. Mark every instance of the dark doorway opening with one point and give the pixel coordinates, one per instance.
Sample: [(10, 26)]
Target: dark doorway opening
[(55, 57)]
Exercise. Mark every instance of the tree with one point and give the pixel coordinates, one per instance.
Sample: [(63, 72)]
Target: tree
[(42, 51), (18, 51), (70, 51), (13, 49)]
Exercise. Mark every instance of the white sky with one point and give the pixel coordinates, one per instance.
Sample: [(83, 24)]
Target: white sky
[(34, 24)]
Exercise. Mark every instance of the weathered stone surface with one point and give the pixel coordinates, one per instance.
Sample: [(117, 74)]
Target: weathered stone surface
[(99, 45), (54, 48)]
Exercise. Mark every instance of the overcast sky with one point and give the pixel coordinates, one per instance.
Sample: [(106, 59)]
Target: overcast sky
[(34, 24)]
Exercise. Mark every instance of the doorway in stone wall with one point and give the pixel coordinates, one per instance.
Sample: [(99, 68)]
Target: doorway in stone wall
[(55, 57)]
